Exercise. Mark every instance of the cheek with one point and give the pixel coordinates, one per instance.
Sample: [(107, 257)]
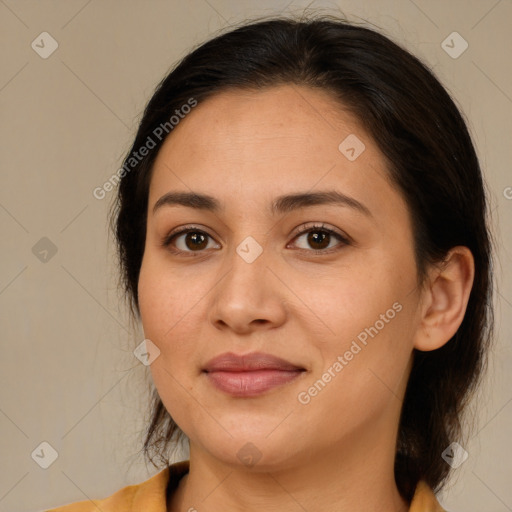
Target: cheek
[(172, 312), (371, 317), (166, 299), (166, 309), (350, 301), (362, 375)]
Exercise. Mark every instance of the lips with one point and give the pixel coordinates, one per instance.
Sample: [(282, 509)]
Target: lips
[(230, 362), (251, 374)]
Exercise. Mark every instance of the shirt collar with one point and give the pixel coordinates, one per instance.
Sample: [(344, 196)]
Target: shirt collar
[(424, 500)]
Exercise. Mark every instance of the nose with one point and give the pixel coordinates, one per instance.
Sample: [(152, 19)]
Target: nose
[(249, 296)]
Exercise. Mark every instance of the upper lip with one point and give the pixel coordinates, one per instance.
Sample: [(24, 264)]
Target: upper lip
[(230, 362)]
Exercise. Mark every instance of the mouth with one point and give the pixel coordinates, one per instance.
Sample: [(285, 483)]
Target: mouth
[(251, 374)]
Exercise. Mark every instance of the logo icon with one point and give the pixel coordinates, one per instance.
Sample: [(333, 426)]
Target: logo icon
[(146, 352), (44, 45), (351, 147), (44, 455), (249, 249), (454, 45), (454, 455), (44, 250), (249, 454)]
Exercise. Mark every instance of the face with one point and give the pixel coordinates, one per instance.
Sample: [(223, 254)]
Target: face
[(326, 283)]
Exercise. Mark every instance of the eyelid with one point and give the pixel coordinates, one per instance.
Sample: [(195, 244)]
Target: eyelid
[(321, 226)]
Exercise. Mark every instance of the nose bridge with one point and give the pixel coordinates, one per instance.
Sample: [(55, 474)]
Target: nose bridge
[(247, 265)]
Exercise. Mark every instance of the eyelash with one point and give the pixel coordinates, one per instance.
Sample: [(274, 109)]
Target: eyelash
[(167, 240)]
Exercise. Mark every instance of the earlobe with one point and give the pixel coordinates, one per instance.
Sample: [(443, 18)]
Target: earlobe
[(446, 298)]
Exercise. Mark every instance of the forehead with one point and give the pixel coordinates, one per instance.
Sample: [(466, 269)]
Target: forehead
[(245, 144), (274, 117)]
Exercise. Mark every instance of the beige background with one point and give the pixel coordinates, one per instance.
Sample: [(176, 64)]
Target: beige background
[(67, 372)]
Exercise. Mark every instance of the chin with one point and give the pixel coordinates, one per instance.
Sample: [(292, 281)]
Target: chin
[(253, 450)]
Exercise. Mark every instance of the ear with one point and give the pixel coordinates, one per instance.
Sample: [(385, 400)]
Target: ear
[(445, 298)]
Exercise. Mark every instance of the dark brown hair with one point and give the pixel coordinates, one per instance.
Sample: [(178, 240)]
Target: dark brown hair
[(431, 160)]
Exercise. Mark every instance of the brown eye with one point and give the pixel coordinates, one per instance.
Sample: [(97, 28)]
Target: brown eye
[(195, 240), (319, 238), (188, 240)]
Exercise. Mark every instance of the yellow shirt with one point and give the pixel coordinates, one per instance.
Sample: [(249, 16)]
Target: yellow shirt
[(151, 495)]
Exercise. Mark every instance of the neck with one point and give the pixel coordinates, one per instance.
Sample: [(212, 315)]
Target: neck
[(355, 476)]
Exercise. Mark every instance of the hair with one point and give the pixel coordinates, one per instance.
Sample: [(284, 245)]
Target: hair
[(431, 160)]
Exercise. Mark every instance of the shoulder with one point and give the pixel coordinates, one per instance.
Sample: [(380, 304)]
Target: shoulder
[(151, 493)]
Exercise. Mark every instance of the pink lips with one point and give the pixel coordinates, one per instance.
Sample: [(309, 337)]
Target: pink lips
[(250, 374)]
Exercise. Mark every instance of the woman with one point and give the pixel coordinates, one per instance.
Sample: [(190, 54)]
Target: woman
[(301, 226)]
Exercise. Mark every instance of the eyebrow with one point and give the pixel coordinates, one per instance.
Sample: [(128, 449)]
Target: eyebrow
[(282, 204)]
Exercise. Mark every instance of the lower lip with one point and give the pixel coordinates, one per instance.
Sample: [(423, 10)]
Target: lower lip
[(253, 383)]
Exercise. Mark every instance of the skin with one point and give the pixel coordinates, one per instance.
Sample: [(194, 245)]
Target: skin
[(335, 453)]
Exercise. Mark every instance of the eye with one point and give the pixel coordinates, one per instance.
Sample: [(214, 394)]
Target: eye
[(189, 239), (319, 237)]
